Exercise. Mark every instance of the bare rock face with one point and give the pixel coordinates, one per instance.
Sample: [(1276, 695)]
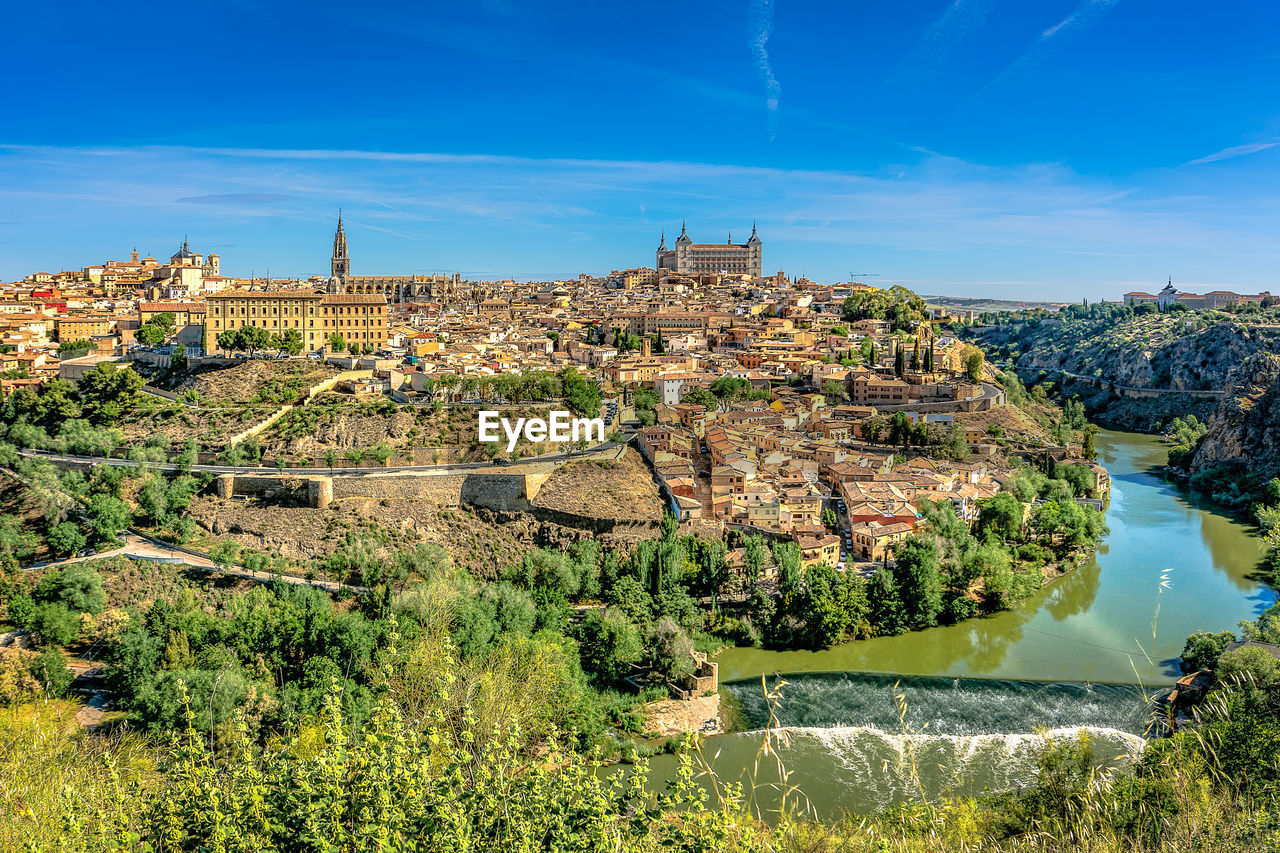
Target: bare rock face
[(1177, 351), (1245, 427)]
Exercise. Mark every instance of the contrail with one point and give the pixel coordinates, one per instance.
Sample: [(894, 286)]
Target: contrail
[(959, 20), (761, 18), (1085, 15)]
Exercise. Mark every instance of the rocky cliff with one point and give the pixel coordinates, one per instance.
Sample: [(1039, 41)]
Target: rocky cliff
[(1244, 430), (1183, 351)]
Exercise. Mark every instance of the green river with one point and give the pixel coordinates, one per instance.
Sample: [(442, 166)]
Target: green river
[(1081, 656)]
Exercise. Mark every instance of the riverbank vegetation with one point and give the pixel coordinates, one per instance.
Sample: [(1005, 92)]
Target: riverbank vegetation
[(449, 756), (609, 628)]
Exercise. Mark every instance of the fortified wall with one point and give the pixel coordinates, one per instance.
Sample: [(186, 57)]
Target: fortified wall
[(505, 491)]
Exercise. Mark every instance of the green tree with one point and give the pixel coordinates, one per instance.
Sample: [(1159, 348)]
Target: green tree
[(107, 391), (834, 390), (669, 649), (1202, 650), (729, 390), (65, 538), (49, 669), (582, 395), (289, 342), (834, 606), (873, 428), (972, 360), (254, 338), (228, 340), (1000, 516), (753, 556), (107, 515), (55, 624), (609, 645), (224, 553), (74, 349), (1089, 450), (699, 396), (150, 335), (884, 605), (1249, 666), (917, 572), (78, 587), (786, 557)]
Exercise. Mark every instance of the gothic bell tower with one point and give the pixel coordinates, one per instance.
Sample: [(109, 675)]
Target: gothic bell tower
[(340, 264)]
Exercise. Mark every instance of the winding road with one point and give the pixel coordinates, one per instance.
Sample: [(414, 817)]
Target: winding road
[(263, 470)]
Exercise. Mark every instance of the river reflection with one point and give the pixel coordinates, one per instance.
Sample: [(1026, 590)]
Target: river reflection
[(1106, 621)]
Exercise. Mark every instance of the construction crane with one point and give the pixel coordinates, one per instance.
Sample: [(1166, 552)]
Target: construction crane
[(854, 275)]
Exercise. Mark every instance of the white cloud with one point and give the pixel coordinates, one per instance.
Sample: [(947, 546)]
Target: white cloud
[(912, 218), (761, 19), (1233, 152), (958, 20), (1086, 15), (1083, 17)]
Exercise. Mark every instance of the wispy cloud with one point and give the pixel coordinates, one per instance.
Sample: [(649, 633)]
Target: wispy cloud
[(1085, 16), (760, 14), (234, 198), (1234, 151), (960, 19), (420, 210)]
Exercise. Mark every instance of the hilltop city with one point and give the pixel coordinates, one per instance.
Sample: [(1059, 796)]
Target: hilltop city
[(828, 414)]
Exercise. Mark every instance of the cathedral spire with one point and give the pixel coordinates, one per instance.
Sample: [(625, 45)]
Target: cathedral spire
[(340, 263)]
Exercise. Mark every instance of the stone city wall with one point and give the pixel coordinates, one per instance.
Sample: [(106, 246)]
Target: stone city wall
[(506, 492), (312, 491)]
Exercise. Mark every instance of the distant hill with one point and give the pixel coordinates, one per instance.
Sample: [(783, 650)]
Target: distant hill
[(983, 303)]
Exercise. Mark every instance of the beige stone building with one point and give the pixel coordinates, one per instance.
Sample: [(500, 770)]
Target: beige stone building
[(729, 258), (83, 327), (360, 318)]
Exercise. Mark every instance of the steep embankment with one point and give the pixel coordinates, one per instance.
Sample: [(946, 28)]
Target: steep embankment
[(1244, 430), (1181, 351)]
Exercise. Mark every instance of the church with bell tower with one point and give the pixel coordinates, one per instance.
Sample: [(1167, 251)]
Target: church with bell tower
[(340, 262), (447, 290)]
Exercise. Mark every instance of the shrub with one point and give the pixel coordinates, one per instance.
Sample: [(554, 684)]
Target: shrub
[(49, 669)]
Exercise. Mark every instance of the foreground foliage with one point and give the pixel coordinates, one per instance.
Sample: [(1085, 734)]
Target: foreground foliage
[(435, 777)]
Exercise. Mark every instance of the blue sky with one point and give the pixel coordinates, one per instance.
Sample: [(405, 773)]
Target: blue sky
[(1046, 149)]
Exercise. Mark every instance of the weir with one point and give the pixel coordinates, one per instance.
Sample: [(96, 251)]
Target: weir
[(941, 705), (858, 770), (859, 742)]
